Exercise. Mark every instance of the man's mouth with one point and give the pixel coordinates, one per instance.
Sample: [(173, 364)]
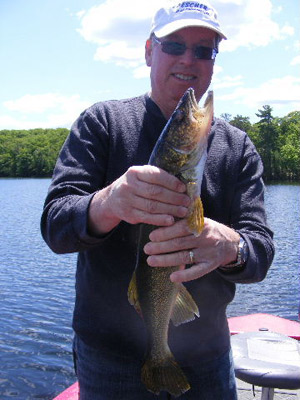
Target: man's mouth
[(184, 77)]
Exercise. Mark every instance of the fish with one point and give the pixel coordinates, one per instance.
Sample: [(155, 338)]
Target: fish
[(181, 150)]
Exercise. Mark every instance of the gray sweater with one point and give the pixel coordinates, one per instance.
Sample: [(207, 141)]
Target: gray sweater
[(103, 143)]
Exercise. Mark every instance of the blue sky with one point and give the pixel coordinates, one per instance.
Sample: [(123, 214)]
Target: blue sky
[(60, 56)]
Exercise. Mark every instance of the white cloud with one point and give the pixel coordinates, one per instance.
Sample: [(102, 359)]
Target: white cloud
[(295, 60), (217, 70), (119, 28), (250, 24), (121, 54), (141, 72), (227, 82), (118, 20), (42, 110), (276, 92), (80, 14)]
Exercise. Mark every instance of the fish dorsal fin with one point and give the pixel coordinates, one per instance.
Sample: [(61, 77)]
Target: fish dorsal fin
[(185, 307), (132, 294)]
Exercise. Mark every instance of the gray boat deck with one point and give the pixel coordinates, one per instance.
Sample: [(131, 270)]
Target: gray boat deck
[(245, 392)]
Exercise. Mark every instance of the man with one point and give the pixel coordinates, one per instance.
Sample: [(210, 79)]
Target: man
[(102, 189)]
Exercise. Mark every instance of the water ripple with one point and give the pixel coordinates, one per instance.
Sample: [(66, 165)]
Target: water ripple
[(37, 289)]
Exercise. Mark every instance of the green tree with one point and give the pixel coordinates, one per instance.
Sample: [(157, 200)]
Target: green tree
[(242, 123), (268, 141), (31, 153), (289, 139), (227, 117)]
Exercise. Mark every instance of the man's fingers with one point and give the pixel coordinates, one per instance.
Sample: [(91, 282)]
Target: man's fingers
[(169, 260), (178, 230), (138, 216), (157, 176), (157, 207), (170, 246), (160, 193), (147, 194), (189, 274)]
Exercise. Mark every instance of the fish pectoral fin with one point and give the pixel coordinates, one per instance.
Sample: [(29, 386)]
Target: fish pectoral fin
[(132, 294), (185, 307), (195, 218)]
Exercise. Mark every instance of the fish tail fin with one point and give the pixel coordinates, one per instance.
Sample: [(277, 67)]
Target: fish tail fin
[(165, 375), (185, 307)]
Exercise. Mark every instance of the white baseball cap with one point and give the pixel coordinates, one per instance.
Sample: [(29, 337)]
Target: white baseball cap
[(182, 14)]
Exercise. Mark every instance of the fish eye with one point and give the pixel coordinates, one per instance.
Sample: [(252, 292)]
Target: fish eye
[(179, 115)]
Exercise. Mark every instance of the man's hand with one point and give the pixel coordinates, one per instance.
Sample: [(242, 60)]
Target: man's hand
[(144, 194), (217, 245)]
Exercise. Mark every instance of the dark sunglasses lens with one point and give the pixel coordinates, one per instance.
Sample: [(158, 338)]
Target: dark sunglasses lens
[(176, 49), (204, 53)]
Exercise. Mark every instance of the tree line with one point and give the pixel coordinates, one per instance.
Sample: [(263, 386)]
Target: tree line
[(30, 153), (277, 141), (33, 153)]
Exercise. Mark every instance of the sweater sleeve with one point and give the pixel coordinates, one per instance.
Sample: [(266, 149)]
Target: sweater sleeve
[(248, 218), (78, 174)]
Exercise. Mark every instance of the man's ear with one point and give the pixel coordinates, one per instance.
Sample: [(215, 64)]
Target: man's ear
[(148, 52)]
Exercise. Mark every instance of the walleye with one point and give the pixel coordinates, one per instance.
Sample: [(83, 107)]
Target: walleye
[(181, 151)]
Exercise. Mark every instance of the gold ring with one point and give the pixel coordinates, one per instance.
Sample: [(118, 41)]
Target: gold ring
[(192, 257)]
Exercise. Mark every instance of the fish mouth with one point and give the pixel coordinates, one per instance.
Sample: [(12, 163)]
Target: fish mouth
[(192, 98), (189, 100), (197, 118)]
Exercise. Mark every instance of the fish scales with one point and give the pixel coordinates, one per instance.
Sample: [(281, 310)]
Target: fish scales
[(181, 151)]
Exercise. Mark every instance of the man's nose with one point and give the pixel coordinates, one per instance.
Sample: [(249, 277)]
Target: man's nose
[(188, 57)]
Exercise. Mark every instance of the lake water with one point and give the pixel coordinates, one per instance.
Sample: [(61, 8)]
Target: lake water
[(37, 288)]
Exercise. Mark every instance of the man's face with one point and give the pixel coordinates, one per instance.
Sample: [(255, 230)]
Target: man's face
[(172, 75)]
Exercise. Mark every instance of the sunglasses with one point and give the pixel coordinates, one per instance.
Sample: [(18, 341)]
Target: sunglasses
[(178, 49)]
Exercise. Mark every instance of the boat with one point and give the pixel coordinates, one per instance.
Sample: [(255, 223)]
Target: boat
[(245, 323), (264, 322), (69, 394)]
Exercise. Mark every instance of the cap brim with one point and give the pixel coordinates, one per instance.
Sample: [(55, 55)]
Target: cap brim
[(185, 23)]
